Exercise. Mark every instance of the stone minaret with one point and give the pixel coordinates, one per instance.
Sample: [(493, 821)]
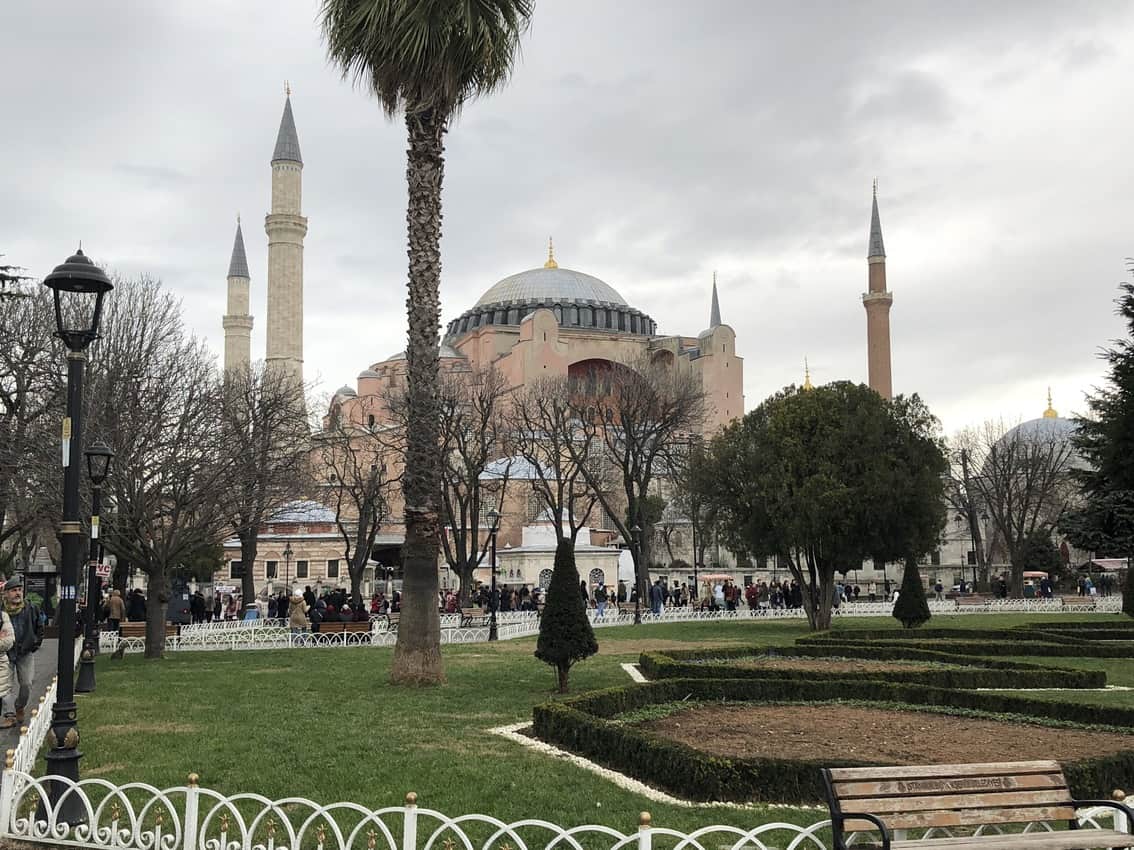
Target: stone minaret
[(715, 308), (237, 323), (877, 301), (286, 227)]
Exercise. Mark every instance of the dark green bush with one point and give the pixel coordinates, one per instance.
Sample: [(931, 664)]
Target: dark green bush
[(583, 725)]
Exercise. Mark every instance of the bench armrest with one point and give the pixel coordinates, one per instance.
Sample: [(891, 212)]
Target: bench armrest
[(1110, 804), (837, 822)]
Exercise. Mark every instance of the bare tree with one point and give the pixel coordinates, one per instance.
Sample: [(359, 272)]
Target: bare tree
[(962, 496), (693, 483), (1021, 479), (633, 414), (31, 404), (263, 421), (156, 399), (363, 463), (11, 281), (553, 444)]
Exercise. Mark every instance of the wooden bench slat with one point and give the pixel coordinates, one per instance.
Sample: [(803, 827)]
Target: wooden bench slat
[(886, 807), (966, 817), (850, 790), (1065, 839), (944, 770)]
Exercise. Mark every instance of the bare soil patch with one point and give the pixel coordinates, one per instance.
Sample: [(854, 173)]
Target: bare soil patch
[(822, 732), (828, 665)]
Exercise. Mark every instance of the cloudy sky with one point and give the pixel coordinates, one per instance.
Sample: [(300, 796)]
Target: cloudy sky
[(656, 140)]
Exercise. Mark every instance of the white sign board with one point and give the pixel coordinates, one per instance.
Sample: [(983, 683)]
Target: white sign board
[(102, 570), (224, 588)]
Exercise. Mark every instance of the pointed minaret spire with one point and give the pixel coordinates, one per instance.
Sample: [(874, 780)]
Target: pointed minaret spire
[(876, 248), (238, 265), (877, 301), (550, 264), (237, 322), (807, 385), (287, 140), (715, 310)]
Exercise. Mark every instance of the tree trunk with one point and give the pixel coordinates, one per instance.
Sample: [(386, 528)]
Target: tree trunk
[(465, 576), (564, 671), (157, 599), (249, 540), (417, 654), (355, 569)]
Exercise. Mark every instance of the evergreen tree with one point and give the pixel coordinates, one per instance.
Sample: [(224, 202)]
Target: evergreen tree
[(1105, 440), (565, 633), (912, 608)]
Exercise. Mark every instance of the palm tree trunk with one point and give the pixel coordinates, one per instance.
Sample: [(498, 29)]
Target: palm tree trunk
[(417, 655)]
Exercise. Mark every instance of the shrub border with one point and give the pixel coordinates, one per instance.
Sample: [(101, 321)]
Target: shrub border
[(584, 725), (980, 673)]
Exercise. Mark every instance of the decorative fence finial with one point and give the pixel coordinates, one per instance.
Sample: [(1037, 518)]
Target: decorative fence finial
[(193, 780), (411, 799), (644, 820), (9, 759)]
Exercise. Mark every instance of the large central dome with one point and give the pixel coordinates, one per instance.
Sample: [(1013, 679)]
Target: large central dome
[(578, 301), (554, 285)]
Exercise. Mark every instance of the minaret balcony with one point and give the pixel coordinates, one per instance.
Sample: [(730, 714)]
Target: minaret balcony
[(869, 298)]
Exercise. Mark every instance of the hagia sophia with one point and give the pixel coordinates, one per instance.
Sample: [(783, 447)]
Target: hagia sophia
[(545, 321)]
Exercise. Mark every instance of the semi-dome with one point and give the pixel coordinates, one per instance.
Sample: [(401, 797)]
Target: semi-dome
[(578, 300), (554, 285)]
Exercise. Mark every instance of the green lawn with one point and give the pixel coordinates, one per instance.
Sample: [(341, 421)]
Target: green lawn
[(323, 724)]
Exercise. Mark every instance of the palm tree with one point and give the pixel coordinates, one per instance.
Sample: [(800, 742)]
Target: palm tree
[(425, 59)]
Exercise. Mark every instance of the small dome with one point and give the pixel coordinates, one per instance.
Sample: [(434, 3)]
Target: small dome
[(554, 285), (344, 390), (368, 373)]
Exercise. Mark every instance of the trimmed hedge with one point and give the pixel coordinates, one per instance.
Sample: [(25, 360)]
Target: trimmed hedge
[(976, 673), (583, 725), (992, 646)]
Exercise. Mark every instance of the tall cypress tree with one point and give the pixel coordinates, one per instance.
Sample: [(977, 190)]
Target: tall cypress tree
[(912, 608), (565, 633), (1105, 440)]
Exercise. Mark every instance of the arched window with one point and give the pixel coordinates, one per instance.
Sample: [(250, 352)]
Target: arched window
[(600, 318), (558, 311), (597, 576), (513, 316), (573, 316), (544, 579), (586, 317)]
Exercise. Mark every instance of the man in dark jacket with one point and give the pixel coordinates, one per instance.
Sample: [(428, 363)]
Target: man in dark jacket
[(28, 626)]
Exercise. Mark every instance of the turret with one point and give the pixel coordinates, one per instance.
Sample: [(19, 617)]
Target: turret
[(237, 322)]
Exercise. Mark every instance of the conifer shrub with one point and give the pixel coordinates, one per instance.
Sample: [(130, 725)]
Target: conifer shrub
[(911, 609), (565, 633)]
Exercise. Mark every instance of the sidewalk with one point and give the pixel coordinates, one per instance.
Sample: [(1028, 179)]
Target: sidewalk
[(45, 664)]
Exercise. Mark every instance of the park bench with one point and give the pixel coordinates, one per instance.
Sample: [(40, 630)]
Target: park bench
[(1079, 603), (625, 607), (138, 630), (971, 602), (891, 800), (392, 622), (337, 627), (473, 617)]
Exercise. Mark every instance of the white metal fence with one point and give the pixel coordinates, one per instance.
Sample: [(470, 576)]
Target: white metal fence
[(138, 816)]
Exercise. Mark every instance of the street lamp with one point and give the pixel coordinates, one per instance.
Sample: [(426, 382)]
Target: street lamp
[(78, 287), (493, 517), (98, 456), (636, 536), (287, 553)]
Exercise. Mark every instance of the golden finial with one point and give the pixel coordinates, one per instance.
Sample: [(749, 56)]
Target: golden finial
[(9, 759), (807, 376), (550, 264), (1050, 413), (193, 780), (287, 88), (644, 820), (411, 799)]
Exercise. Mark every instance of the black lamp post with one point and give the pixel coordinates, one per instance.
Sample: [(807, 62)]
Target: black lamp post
[(98, 456), (287, 553), (493, 600), (78, 287), (636, 536)]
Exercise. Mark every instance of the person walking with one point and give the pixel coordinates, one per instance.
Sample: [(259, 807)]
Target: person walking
[(7, 639), (600, 599), (27, 627), (115, 610), (657, 596), (297, 619)]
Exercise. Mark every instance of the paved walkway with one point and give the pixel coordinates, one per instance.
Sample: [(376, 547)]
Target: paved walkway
[(45, 663)]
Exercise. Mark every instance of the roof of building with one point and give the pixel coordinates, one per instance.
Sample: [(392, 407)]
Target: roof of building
[(303, 511), (287, 141), (554, 285), (445, 351), (368, 373), (238, 265), (345, 390), (516, 468)]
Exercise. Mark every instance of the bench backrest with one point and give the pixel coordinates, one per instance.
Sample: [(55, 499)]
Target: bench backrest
[(138, 630), (949, 795), (335, 626), (473, 612)]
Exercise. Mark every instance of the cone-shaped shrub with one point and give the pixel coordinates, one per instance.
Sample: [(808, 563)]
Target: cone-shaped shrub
[(565, 633), (911, 609)]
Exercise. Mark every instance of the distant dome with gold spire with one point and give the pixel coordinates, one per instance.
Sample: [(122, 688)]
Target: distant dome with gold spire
[(1049, 426)]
